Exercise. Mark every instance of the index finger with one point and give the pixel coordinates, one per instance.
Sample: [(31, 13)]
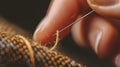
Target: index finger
[(60, 14)]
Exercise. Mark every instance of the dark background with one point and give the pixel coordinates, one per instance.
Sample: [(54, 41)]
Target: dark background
[(28, 13)]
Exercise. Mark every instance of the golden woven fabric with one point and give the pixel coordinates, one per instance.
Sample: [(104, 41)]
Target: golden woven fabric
[(17, 51)]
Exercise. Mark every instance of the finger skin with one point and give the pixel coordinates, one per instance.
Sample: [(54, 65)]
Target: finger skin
[(87, 30), (80, 32), (106, 10), (109, 38), (60, 14)]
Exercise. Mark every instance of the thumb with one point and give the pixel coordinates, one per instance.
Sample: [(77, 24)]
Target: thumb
[(108, 8)]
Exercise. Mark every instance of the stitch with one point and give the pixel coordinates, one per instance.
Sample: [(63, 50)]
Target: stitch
[(56, 42)]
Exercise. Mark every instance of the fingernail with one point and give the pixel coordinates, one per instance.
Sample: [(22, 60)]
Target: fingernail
[(104, 2), (95, 39), (35, 35), (97, 42), (38, 34)]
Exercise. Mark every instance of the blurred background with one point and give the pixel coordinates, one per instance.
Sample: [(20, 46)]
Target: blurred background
[(28, 13)]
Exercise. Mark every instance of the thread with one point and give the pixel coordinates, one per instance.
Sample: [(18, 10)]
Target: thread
[(56, 41), (17, 49)]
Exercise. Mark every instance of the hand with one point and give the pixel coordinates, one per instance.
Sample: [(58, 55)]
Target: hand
[(99, 31)]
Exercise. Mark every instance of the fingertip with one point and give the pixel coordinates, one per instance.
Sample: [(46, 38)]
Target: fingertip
[(106, 8), (108, 44), (44, 31), (103, 37), (97, 33)]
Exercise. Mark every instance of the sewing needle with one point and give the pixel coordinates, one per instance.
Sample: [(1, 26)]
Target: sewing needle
[(80, 18)]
